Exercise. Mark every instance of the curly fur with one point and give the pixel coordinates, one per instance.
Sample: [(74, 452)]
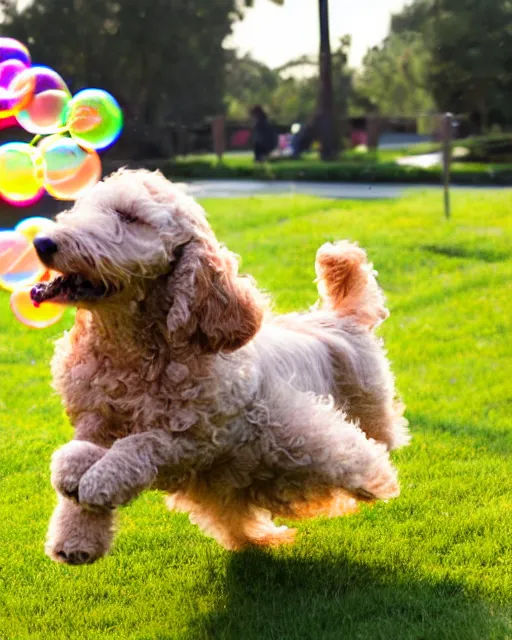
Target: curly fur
[(184, 381)]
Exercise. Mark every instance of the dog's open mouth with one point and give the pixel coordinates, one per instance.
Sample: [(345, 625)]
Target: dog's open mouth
[(69, 289)]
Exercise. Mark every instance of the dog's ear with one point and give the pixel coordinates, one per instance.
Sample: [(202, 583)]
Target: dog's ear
[(213, 306)]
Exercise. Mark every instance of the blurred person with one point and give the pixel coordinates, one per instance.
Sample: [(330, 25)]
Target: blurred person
[(264, 134), (304, 135)]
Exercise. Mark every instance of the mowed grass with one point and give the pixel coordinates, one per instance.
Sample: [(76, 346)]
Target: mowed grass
[(434, 564)]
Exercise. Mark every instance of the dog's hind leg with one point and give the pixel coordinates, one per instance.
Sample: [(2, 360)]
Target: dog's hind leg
[(316, 445), (381, 418), (348, 288), (347, 284)]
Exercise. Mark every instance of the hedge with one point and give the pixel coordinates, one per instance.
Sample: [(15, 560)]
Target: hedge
[(333, 172)]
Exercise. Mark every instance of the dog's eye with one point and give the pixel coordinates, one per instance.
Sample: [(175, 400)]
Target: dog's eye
[(127, 217)]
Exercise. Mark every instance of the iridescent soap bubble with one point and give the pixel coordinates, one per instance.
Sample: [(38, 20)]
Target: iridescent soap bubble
[(24, 203), (11, 49), (25, 271), (47, 111), (69, 170), (20, 265), (21, 171), (9, 69), (36, 317), (6, 123), (14, 95), (95, 119), (30, 227), (12, 244)]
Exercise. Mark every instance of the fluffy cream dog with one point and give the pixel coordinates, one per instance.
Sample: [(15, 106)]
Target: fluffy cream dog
[(176, 377)]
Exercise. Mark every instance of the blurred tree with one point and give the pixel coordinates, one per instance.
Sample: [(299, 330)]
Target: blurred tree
[(250, 3), (287, 98), (395, 76), (294, 99), (163, 59), (469, 43), (325, 105), (471, 51), (290, 92), (248, 82), (328, 134), (414, 17), (341, 79)]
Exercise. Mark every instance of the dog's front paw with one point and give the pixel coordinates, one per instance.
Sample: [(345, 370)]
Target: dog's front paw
[(77, 536), (102, 489), (70, 462)]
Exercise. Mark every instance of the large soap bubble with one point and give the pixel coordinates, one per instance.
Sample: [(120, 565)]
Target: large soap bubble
[(69, 170), (30, 227), (20, 269), (19, 263), (11, 49), (24, 203), (36, 317), (14, 95), (7, 123), (95, 119), (46, 112), (21, 172), (38, 99), (12, 243)]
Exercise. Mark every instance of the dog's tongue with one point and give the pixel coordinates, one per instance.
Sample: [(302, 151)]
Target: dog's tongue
[(56, 290), (67, 289), (37, 293)]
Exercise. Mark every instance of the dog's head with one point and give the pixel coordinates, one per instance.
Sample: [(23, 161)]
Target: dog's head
[(136, 237)]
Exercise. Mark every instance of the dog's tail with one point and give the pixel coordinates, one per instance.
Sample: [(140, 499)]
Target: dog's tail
[(347, 285)]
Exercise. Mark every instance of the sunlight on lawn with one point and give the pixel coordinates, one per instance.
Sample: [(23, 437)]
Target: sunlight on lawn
[(434, 564)]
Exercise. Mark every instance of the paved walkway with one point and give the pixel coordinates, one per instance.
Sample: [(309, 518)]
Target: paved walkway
[(429, 160), (247, 188), (9, 216), (424, 160), (335, 190)]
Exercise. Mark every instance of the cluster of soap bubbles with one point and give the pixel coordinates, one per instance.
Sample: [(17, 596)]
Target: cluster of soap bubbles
[(20, 269), (65, 161)]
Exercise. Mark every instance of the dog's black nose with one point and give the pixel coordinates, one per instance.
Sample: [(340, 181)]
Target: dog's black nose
[(45, 247)]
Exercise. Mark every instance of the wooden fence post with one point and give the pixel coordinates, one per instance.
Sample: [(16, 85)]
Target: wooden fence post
[(219, 136), (373, 130), (446, 136)]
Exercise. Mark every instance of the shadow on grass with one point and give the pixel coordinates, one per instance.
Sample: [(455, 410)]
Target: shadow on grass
[(285, 598), (470, 253)]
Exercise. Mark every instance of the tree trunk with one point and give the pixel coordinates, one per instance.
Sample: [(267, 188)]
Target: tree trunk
[(484, 117), (327, 128)]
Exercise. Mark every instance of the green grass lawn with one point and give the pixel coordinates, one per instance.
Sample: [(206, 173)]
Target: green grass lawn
[(435, 564)]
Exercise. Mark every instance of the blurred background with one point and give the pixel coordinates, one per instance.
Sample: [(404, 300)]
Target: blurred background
[(332, 79)]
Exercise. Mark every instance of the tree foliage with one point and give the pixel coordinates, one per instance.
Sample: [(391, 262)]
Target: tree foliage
[(289, 93), (414, 17), (163, 59), (469, 47), (286, 97), (471, 50), (394, 79)]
